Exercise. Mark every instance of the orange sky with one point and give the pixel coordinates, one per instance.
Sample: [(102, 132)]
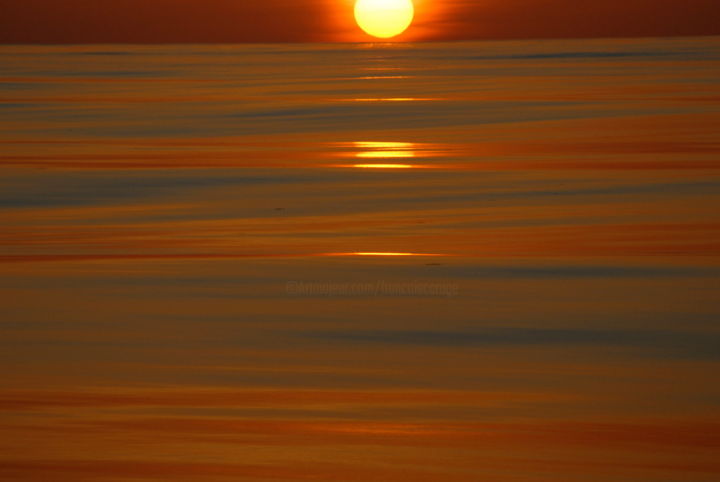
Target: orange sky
[(188, 21)]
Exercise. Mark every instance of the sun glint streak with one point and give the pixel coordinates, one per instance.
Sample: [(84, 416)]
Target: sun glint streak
[(381, 253), (390, 99), (386, 146), (383, 154), (379, 150), (384, 166)]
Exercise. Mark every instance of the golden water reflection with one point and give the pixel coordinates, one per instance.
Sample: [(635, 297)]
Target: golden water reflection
[(385, 151), (380, 253), (385, 166), (383, 77), (376, 150), (390, 99)]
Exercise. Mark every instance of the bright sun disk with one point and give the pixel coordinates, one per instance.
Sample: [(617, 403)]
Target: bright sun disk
[(384, 18)]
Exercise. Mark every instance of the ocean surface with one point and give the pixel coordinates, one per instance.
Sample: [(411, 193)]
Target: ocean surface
[(492, 261)]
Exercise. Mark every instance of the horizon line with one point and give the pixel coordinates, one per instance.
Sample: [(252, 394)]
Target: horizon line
[(369, 41)]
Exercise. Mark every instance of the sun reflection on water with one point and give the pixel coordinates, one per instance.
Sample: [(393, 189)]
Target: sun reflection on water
[(381, 253), (391, 99), (380, 150), (388, 154), (385, 166)]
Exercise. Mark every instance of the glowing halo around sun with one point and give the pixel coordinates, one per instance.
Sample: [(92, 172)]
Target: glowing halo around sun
[(384, 18)]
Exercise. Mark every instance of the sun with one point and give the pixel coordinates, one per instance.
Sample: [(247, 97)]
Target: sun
[(384, 18)]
